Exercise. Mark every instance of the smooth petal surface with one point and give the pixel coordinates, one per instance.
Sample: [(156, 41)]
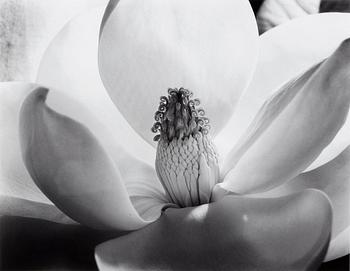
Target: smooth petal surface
[(146, 47), (70, 166), (26, 28), (293, 127), (286, 51), (287, 233), (334, 179), (340, 245), (11, 206), (70, 66), (14, 178), (145, 191), (276, 12)]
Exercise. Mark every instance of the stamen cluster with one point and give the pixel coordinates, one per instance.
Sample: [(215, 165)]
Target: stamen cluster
[(178, 117), (186, 160)]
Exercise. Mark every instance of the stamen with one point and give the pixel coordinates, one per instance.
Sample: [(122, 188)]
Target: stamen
[(178, 116), (186, 161)]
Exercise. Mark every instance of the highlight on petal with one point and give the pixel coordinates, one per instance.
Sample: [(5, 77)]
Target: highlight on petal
[(71, 167), (27, 28), (332, 178), (339, 246), (147, 47), (293, 127), (14, 178), (70, 66), (240, 233), (286, 51)]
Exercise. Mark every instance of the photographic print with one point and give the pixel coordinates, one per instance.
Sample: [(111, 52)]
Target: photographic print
[(175, 135)]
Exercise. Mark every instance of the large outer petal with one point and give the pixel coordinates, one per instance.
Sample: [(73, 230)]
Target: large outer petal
[(14, 178), (237, 233), (26, 28), (70, 66), (71, 167), (146, 47), (146, 192), (285, 51), (293, 127), (334, 179)]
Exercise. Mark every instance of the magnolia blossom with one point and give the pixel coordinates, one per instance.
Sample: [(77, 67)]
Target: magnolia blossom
[(252, 207)]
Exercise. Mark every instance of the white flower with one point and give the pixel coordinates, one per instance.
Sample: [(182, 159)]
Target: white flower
[(92, 174)]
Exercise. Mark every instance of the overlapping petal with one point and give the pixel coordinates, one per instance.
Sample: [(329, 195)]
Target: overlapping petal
[(147, 47), (14, 178), (276, 12), (293, 127), (339, 246), (286, 51), (70, 166), (13, 206), (70, 66), (334, 179), (287, 233)]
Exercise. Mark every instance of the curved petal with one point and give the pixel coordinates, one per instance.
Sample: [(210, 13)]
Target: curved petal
[(26, 30), (145, 191), (334, 179), (285, 51), (276, 12), (12, 206), (339, 246), (288, 233), (14, 178), (293, 127), (70, 166), (70, 66), (147, 47)]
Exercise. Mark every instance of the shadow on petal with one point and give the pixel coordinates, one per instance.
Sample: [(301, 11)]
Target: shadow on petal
[(292, 127), (285, 51), (332, 178), (14, 178), (240, 233), (11, 206), (69, 165)]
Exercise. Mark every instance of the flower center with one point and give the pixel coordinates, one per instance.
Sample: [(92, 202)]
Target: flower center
[(186, 161)]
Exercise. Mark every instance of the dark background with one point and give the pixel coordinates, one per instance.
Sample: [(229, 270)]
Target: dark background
[(34, 244)]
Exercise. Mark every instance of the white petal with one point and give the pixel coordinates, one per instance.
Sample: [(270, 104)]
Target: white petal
[(70, 66), (14, 178), (12, 206), (26, 29), (339, 246), (275, 12), (332, 178), (236, 233), (206, 46), (145, 191), (71, 167), (285, 51), (293, 127)]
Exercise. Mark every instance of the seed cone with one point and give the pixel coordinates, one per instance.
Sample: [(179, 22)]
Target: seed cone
[(186, 161)]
